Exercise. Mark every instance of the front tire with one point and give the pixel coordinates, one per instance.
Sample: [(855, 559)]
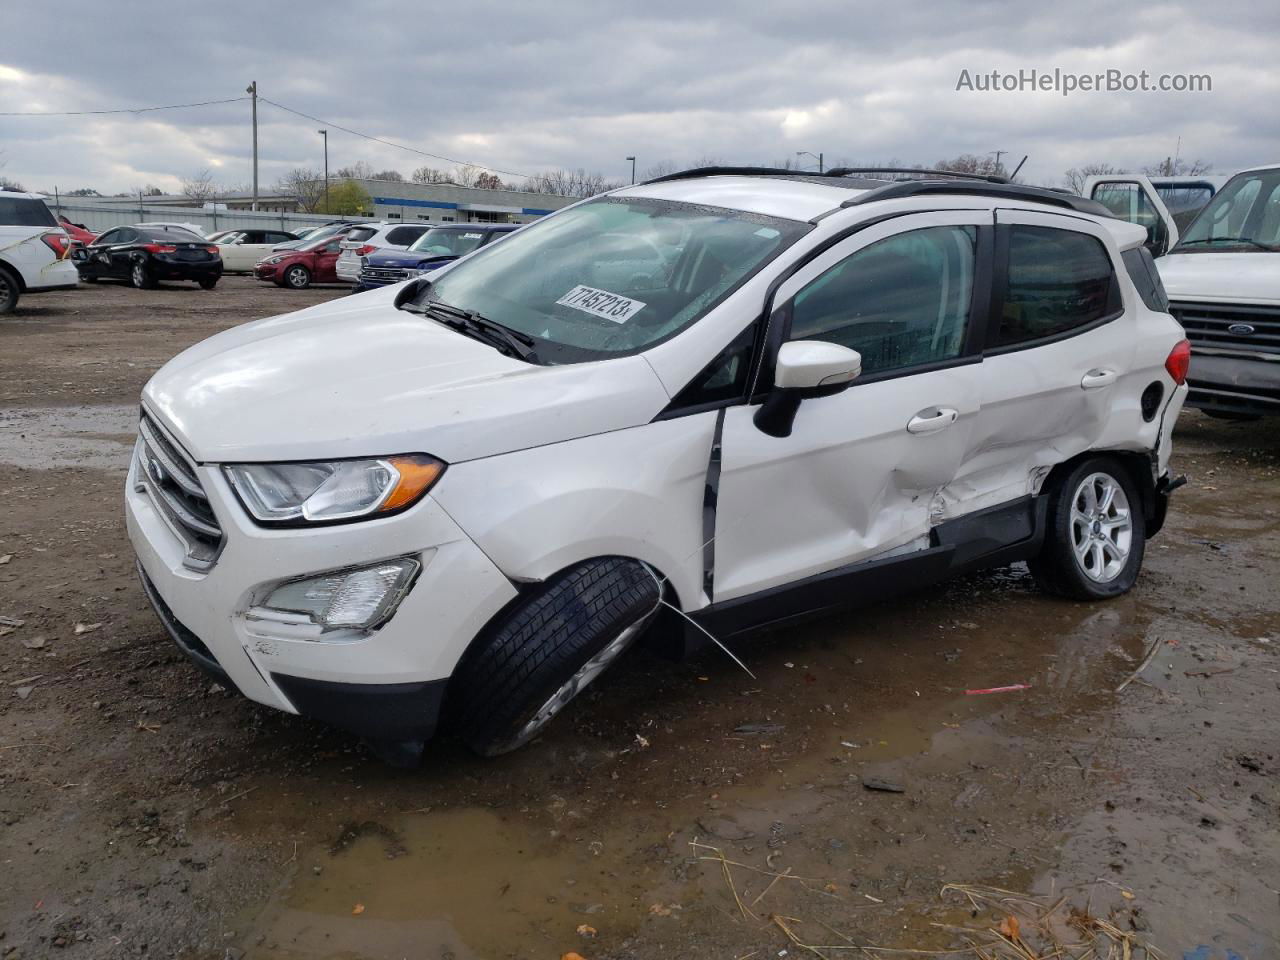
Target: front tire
[(141, 277), (8, 291), (1096, 534), (297, 277), (547, 650)]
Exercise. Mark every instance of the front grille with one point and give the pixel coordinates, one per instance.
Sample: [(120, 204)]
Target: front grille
[(169, 475), (1246, 330), (384, 274)]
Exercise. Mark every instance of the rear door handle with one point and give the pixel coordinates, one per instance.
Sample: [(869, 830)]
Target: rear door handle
[(1097, 378), (932, 420)]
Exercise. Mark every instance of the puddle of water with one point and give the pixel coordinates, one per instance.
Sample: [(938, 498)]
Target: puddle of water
[(47, 438)]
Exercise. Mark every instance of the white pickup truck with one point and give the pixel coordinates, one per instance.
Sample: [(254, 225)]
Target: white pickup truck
[(1222, 274), (33, 249)]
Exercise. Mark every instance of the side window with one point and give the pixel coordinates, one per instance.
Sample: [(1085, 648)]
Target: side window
[(108, 238), (333, 246), (900, 302), (724, 378), (125, 235), (1058, 280), (278, 238), (1128, 201), (1143, 273), (403, 236), (253, 236)]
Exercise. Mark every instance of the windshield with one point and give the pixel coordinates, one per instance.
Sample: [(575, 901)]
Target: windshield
[(447, 243), (1244, 215), (614, 275)]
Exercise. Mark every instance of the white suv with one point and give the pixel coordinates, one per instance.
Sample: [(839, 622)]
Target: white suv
[(33, 249), (731, 397), (361, 241)]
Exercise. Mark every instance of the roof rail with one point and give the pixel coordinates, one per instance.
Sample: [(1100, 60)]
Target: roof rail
[(1011, 191), (696, 172), (845, 171)]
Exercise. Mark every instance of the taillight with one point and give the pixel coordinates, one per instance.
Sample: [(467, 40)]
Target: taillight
[(1178, 362), (159, 248), (58, 242), (210, 249), (364, 251)]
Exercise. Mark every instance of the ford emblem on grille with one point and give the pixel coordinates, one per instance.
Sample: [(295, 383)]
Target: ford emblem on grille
[(157, 471), (1242, 329)]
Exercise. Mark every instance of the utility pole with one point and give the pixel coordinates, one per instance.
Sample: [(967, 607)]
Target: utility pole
[(816, 156), (998, 154), (325, 134), (252, 90), (633, 170)]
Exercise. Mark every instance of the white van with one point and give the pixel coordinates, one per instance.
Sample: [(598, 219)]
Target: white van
[(1222, 275)]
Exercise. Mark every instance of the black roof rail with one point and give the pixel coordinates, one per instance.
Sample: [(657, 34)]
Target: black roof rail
[(924, 174), (1010, 191), (696, 172)]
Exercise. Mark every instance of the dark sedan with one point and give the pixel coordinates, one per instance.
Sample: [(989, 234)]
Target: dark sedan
[(145, 255)]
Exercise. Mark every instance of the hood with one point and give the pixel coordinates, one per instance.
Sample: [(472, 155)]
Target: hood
[(1243, 277), (406, 258), (357, 377)]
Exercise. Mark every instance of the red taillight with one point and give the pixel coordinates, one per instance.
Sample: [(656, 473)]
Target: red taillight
[(211, 249), (364, 251), (159, 248), (1178, 361), (58, 242)]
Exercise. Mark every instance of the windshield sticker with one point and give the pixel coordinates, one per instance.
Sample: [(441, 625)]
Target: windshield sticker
[(601, 303), (768, 233), (471, 236)]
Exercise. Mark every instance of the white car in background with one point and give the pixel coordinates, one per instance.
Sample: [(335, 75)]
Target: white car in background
[(242, 249), (34, 249), (363, 240), (1222, 274), (731, 396)]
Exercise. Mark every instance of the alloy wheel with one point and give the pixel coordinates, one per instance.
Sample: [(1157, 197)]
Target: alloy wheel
[(1101, 527)]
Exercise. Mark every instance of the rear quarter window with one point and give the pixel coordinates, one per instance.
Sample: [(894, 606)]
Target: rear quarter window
[(359, 234), (405, 235), (1058, 280), (25, 212), (1142, 271)]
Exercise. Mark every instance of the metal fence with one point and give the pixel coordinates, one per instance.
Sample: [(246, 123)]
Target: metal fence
[(102, 216)]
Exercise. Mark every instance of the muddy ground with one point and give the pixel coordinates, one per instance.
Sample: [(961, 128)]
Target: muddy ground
[(144, 812)]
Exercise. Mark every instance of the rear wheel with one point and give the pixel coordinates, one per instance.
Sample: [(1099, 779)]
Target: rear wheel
[(141, 277), (298, 277), (548, 649), (1096, 533), (207, 283), (8, 291)]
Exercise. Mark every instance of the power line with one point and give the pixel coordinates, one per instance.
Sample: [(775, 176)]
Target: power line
[(88, 113), (390, 143)]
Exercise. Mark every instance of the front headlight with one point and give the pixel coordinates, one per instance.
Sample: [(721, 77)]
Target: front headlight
[(297, 494), (273, 259)]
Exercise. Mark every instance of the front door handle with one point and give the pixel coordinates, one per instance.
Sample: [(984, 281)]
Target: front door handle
[(1097, 378), (932, 420)]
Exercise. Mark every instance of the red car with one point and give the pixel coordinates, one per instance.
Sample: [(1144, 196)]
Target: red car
[(299, 268)]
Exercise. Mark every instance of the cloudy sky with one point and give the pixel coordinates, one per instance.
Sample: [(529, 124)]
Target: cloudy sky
[(562, 83)]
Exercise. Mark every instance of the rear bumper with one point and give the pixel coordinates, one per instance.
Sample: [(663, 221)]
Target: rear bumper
[(1234, 384), (347, 269), (164, 270), (60, 275)]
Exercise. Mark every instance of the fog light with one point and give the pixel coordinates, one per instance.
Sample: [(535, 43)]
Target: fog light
[(362, 598)]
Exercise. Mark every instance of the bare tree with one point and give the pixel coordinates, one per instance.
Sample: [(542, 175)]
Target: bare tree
[(395, 176), (199, 188), (1169, 167), (430, 175), (660, 169), (570, 183), (464, 175), (82, 192), (490, 181), (360, 170), (985, 166), (6, 183), (305, 186), (1074, 179)]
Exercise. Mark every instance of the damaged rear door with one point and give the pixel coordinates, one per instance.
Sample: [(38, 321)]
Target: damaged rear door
[(859, 471)]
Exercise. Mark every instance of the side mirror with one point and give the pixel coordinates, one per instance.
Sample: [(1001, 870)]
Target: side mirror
[(805, 369)]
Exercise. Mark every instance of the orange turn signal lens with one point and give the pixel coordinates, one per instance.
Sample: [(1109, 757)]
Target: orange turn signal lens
[(418, 473)]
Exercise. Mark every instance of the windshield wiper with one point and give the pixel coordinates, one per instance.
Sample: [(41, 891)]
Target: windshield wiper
[(471, 323), (1227, 240)]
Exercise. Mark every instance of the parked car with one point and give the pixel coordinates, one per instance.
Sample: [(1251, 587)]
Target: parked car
[(33, 249), (328, 230), (430, 252), (179, 224), (1222, 274), (364, 240), (242, 249), (78, 232), (146, 254), (312, 263), (730, 396)]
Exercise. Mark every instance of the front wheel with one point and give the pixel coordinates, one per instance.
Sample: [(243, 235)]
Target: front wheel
[(547, 650), (297, 277), (141, 277), (1096, 533), (8, 291)]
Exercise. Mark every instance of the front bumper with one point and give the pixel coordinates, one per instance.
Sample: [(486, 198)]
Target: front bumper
[(386, 684), (1234, 384), (267, 271)]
